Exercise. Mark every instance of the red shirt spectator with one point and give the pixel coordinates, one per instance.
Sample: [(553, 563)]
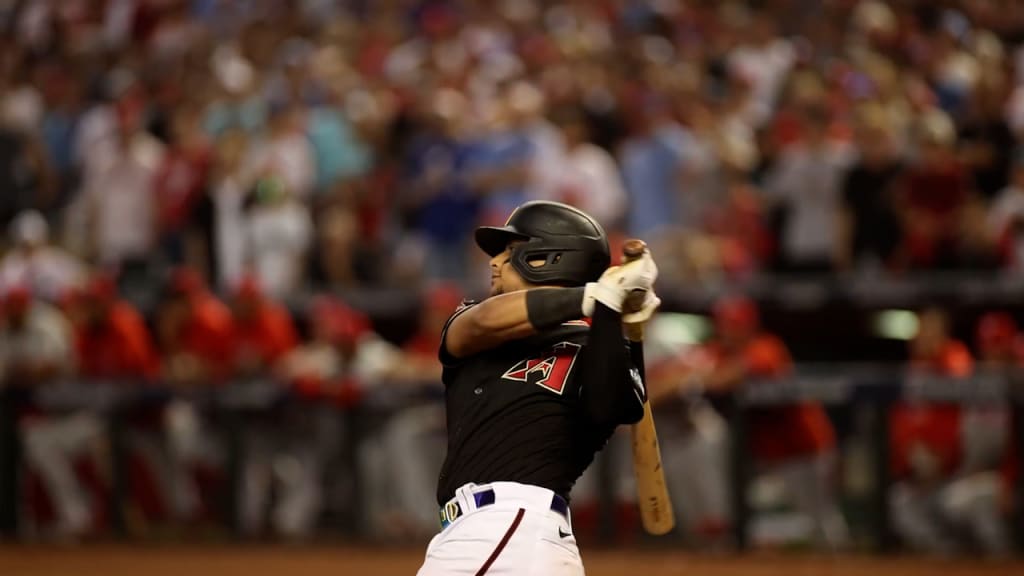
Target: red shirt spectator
[(181, 179), (112, 339), (933, 195), (742, 352), (263, 330), (196, 332), (925, 438)]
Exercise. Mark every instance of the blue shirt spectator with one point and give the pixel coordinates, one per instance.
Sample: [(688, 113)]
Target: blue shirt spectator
[(651, 165)]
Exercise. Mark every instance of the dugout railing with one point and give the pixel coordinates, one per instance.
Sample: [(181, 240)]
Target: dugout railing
[(231, 406)]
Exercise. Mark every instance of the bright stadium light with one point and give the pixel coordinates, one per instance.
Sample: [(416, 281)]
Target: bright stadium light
[(680, 329), (896, 324)]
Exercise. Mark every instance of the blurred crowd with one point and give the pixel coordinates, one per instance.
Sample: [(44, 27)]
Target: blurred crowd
[(181, 178), (953, 467), (337, 144)]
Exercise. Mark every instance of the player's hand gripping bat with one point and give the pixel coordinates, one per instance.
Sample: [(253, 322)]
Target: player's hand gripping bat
[(652, 494)]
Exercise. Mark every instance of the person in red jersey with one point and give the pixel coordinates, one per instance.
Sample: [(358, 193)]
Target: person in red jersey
[(195, 335), (939, 492), (797, 442), (111, 338), (264, 331)]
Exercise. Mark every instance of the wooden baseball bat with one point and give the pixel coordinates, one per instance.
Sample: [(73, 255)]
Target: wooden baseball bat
[(656, 513)]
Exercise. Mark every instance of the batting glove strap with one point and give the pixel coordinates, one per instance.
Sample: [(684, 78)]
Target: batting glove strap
[(605, 293)]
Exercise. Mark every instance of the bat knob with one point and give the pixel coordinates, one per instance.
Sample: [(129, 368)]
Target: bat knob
[(633, 249)]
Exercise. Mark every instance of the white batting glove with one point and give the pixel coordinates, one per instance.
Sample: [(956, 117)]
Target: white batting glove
[(618, 282), (641, 316)]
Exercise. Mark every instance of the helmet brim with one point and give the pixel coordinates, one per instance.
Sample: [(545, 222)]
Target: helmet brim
[(494, 239)]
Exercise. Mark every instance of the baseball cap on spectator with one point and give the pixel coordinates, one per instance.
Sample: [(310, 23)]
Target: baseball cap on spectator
[(338, 322), (29, 228)]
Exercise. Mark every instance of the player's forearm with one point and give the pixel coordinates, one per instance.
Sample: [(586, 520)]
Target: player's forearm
[(511, 316), (609, 393)]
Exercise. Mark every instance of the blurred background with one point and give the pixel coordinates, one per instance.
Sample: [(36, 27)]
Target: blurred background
[(235, 228)]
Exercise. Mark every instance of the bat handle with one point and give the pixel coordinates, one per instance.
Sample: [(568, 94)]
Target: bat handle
[(634, 332)]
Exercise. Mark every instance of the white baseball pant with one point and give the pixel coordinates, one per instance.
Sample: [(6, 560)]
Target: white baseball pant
[(518, 535)]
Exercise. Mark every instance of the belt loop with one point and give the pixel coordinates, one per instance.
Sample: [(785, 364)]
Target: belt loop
[(464, 495)]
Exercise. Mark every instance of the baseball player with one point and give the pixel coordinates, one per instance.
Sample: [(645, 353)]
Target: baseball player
[(537, 377)]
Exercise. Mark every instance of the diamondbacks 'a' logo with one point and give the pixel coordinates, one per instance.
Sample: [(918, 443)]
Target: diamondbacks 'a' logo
[(549, 370)]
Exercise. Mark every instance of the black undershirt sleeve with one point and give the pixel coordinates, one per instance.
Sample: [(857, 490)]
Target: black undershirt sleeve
[(610, 386)]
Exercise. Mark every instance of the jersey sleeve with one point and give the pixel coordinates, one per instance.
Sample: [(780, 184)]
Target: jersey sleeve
[(443, 355), (611, 386)]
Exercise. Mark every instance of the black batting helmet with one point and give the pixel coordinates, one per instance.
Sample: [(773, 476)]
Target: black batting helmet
[(571, 244)]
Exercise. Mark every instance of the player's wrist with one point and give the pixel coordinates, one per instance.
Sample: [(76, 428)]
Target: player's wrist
[(549, 307)]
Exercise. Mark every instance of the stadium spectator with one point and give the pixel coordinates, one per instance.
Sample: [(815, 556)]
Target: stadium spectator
[(795, 443), (693, 436), (117, 203), (412, 439), (932, 197), (34, 262), (181, 182), (263, 330), (284, 152), (288, 454), (588, 176), (37, 349), (870, 231), (194, 335), (935, 495), (806, 182), (111, 336)]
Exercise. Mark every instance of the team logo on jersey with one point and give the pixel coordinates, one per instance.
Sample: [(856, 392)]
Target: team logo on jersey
[(549, 370)]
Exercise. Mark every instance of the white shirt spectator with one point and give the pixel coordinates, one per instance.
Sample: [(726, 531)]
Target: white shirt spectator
[(48, 271), (809, 182), (766, 68), (279, 236), (589, 179), (45, 337), (290, 157), (230, 231), (118, 197)]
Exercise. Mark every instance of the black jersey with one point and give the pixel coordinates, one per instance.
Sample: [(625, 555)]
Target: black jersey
[(514, 414)]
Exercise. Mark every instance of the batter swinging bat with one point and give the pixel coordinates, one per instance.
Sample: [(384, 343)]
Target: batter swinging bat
[(652, 494)]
